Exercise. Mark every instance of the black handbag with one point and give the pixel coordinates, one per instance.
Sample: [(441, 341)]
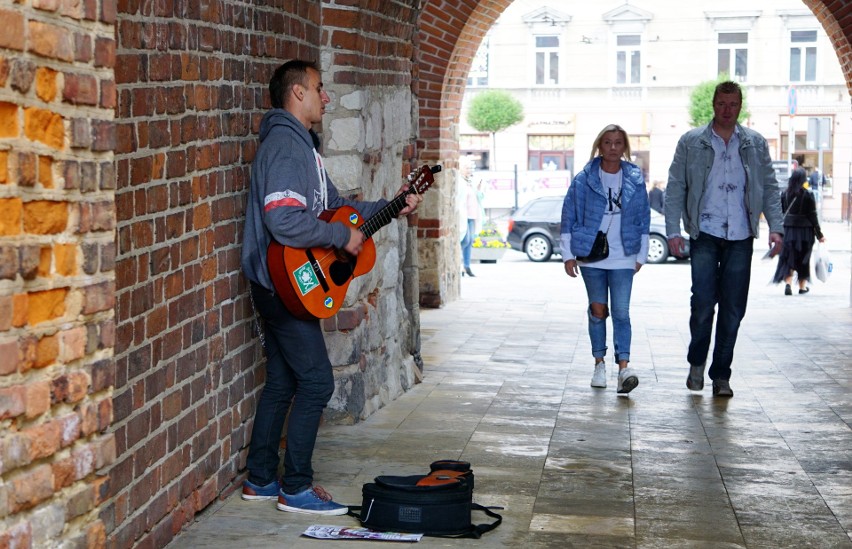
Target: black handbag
[(438, 504), (600, 249)]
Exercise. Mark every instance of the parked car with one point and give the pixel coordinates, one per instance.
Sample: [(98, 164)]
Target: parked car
[(534, 230)]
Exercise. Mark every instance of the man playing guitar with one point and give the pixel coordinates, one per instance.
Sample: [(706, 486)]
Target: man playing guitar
[(290, 188)]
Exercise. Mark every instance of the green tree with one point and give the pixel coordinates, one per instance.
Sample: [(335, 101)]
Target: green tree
[(493, 111), (701, 102)]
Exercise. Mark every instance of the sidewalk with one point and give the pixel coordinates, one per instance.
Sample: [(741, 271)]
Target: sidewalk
[(506, 387)]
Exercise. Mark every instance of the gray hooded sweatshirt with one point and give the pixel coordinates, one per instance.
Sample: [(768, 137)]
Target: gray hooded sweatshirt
[(289, 189)]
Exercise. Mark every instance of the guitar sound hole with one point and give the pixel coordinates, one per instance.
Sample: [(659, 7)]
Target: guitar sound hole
[(341, 271)]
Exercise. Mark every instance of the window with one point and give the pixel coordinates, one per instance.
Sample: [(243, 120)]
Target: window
[(550, 152), (547, 60), (476, 146), (733, 55), (628, 59), (478, 75), (803, 55)]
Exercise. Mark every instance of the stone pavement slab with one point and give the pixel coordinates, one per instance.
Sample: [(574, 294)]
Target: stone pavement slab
[(506, 387)]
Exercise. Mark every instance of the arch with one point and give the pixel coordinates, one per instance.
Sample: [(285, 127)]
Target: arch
[(449, 34)]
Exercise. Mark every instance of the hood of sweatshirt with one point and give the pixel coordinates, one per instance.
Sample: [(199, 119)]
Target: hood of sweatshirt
[(279, 117)]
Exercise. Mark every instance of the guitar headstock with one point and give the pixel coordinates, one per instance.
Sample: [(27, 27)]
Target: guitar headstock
[(421, 179)]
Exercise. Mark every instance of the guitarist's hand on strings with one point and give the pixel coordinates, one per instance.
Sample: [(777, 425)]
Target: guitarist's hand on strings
[(356, 241), (412, 200)]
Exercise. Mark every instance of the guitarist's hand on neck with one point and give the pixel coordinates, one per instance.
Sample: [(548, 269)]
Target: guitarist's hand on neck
[(356, 241), (411, 201)]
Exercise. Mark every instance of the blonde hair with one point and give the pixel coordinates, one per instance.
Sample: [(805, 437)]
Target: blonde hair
[(596, 146)]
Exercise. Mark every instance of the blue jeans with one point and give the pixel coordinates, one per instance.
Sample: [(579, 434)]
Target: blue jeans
[(618, 284), (467, 243), (721, 271), (297, 365)]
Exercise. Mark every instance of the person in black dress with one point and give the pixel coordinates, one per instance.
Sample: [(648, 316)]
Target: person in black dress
[(801, 224)]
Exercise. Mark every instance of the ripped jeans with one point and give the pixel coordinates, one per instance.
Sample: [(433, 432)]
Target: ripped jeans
[(610, 287)]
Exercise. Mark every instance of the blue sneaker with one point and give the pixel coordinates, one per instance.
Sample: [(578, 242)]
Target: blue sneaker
[(314, 501), (253, 492)]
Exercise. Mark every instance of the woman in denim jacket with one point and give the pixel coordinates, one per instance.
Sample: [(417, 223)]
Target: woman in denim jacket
[(609, 196)]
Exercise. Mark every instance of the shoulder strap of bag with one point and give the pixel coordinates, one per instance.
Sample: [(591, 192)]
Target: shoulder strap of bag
[(790, 207), (479, 529)]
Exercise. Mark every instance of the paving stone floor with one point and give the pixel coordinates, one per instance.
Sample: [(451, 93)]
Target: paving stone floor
[(506, 387)]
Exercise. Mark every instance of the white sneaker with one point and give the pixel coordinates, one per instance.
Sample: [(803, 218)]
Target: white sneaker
[(599, 377), (627, 381)]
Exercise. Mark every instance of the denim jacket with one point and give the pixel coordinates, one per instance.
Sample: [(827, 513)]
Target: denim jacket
[(691, 166), (585, 202)]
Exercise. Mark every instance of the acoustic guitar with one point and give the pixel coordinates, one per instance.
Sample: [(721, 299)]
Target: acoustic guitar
[(312, 282)]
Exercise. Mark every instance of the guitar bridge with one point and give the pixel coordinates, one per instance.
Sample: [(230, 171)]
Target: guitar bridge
[(317, 270)]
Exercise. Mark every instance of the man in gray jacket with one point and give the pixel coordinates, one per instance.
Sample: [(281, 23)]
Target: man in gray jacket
[(720, 181), (289, 189)]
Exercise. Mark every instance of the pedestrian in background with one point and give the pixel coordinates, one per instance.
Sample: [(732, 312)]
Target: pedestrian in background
[(470, 210), (720, 182), (801, 223), (657, 197), (608, 197)]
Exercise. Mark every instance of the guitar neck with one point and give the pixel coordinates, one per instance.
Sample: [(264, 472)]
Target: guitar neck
[(385, 215)]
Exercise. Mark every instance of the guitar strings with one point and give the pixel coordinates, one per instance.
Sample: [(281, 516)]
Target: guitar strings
[(330, 257)]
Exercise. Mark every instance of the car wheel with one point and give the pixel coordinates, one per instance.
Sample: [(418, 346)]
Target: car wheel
[(658, 249), (538, 248)]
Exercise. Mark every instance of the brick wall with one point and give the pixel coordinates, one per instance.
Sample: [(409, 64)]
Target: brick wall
[(128, 368), (192, 86), (836, 18), (57, 261)]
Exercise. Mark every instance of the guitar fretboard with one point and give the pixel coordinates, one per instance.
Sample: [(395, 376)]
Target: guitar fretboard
[(386, 214)]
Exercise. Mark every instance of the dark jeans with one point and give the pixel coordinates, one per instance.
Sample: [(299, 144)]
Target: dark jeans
[(297, 365), (721, 271)]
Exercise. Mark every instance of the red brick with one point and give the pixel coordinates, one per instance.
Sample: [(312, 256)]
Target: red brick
[(38, 398), (83, 48), (78, 386), (50, 41), (12, 401), (63, 473), (96, 531), (104, 52), (80, 89), (31, 488), (45, 439), (12, 36), (98, 297), (47, 351), (8, 350)]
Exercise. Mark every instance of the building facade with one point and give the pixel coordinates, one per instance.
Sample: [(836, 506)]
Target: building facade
[(577, 67)]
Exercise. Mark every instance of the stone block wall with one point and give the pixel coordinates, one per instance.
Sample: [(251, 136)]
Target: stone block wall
[(57, 265)]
